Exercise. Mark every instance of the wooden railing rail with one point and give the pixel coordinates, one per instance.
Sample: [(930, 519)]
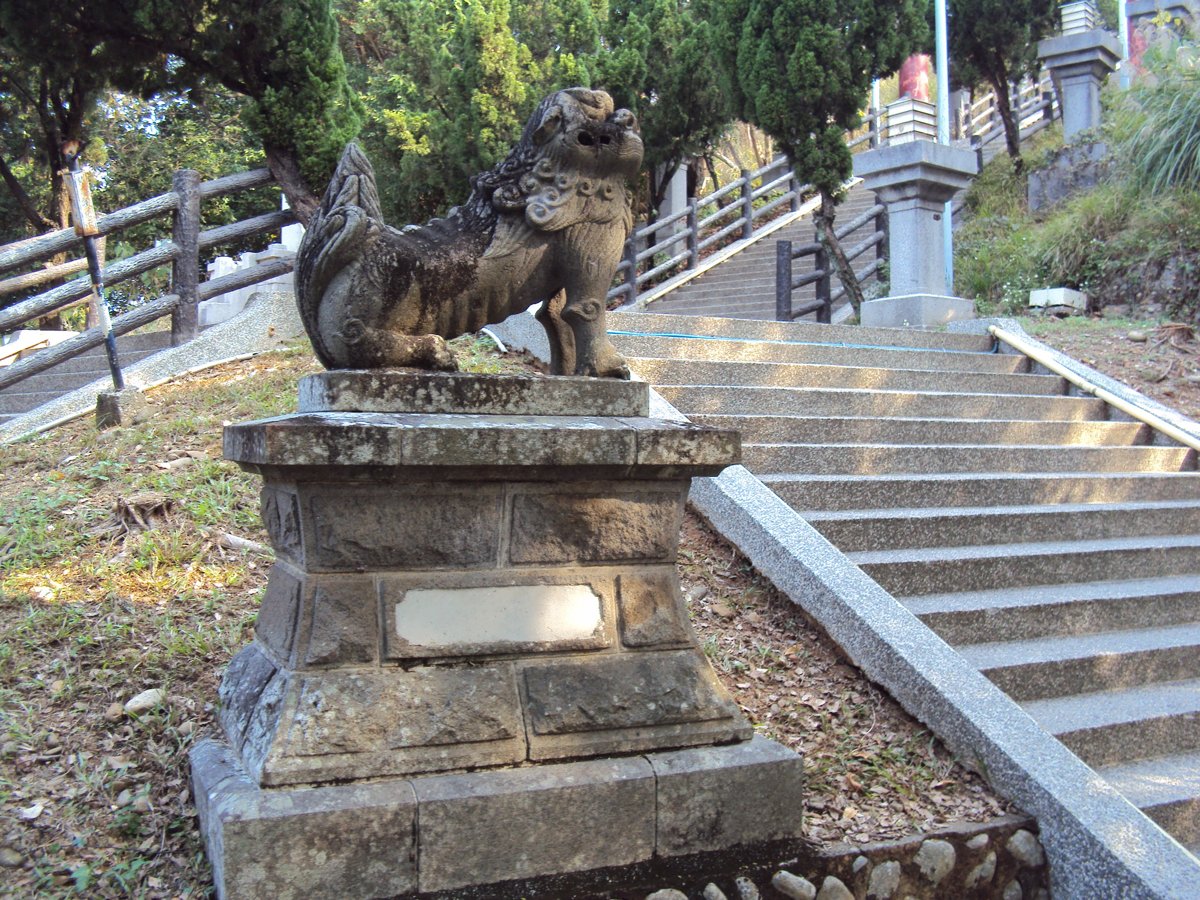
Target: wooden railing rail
[(787, 252), (182, 252), (742, 199)]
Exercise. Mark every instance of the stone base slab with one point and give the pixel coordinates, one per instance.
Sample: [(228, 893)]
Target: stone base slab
[(403, 837), (915, 311)]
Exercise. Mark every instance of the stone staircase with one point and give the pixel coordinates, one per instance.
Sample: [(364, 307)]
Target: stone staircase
[(77, 372), (1056, 547), (743, 287)]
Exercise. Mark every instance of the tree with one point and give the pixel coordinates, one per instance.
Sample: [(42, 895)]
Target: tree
[(51, 74), (801, 70), (447, 87), (658, 65), (996, 41), (280, 54)]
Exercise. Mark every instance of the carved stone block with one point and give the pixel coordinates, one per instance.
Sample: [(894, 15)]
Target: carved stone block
[(578, 528), (624, 703), (360, 529), (652, 610)]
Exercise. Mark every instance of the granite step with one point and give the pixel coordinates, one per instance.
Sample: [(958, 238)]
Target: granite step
[(833, 492), (1060, 609), (1121, 726), (939, 570), (739, 350), (1042, 668), (648, 323), (1167, 789), (718, 398), (877, 378), (766, 429), (896, 529), (895, 459)]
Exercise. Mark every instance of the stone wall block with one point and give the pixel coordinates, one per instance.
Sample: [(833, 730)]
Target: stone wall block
[(710, 798), (306, 844), (521, 823), (623, 703), (281, 516), (397, 527), (275, 627), (651, 610), (583, 528), (355, 724), (342, 626)]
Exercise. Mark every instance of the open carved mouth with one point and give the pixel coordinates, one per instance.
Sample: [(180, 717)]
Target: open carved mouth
[(590, 140)]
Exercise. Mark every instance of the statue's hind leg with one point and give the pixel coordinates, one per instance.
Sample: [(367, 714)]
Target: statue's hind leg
[(376, 348)]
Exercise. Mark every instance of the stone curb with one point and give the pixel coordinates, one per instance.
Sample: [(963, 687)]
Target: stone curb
[(268, 322), (1099, 845)]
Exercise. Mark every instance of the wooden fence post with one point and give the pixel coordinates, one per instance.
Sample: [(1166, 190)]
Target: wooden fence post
[(824, 285), (693, 234), (783, 281), (185, 272), (747, 206), (631, 252)]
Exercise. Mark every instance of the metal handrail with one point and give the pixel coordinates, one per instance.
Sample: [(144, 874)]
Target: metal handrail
[(1147, 417)]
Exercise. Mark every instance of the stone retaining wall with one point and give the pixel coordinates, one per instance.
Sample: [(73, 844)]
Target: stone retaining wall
[(1000, 859)]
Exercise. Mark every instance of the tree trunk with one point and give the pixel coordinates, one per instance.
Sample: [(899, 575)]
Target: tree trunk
[(23, 201), (1012, 131), (286, 169), (823, 219)]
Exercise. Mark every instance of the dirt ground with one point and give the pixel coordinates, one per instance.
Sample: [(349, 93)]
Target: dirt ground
[(1161, 360)]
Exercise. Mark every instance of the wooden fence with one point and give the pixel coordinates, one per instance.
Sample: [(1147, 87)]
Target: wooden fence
[(182, 252)]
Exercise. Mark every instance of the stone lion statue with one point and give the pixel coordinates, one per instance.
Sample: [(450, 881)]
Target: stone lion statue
[(546, 224)]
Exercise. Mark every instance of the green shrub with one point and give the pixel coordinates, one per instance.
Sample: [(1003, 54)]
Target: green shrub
[(1157, 122)]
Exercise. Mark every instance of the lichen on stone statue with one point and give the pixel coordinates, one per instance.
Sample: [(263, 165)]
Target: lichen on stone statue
[(548, 224)]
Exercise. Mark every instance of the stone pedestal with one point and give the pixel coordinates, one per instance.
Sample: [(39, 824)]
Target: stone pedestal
[(474, 576), (915, 180), (1079, 63)]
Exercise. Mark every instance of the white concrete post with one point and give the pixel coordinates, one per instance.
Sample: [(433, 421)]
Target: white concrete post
[(915, 181)]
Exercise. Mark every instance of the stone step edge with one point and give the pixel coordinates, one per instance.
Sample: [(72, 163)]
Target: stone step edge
[(1054, 594), (963, 512), (1123, 706), (1033, 652), (1026, 550)]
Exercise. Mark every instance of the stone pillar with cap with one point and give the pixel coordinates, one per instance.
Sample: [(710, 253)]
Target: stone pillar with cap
[(914, 180), (473, 665), (1079, 63)]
